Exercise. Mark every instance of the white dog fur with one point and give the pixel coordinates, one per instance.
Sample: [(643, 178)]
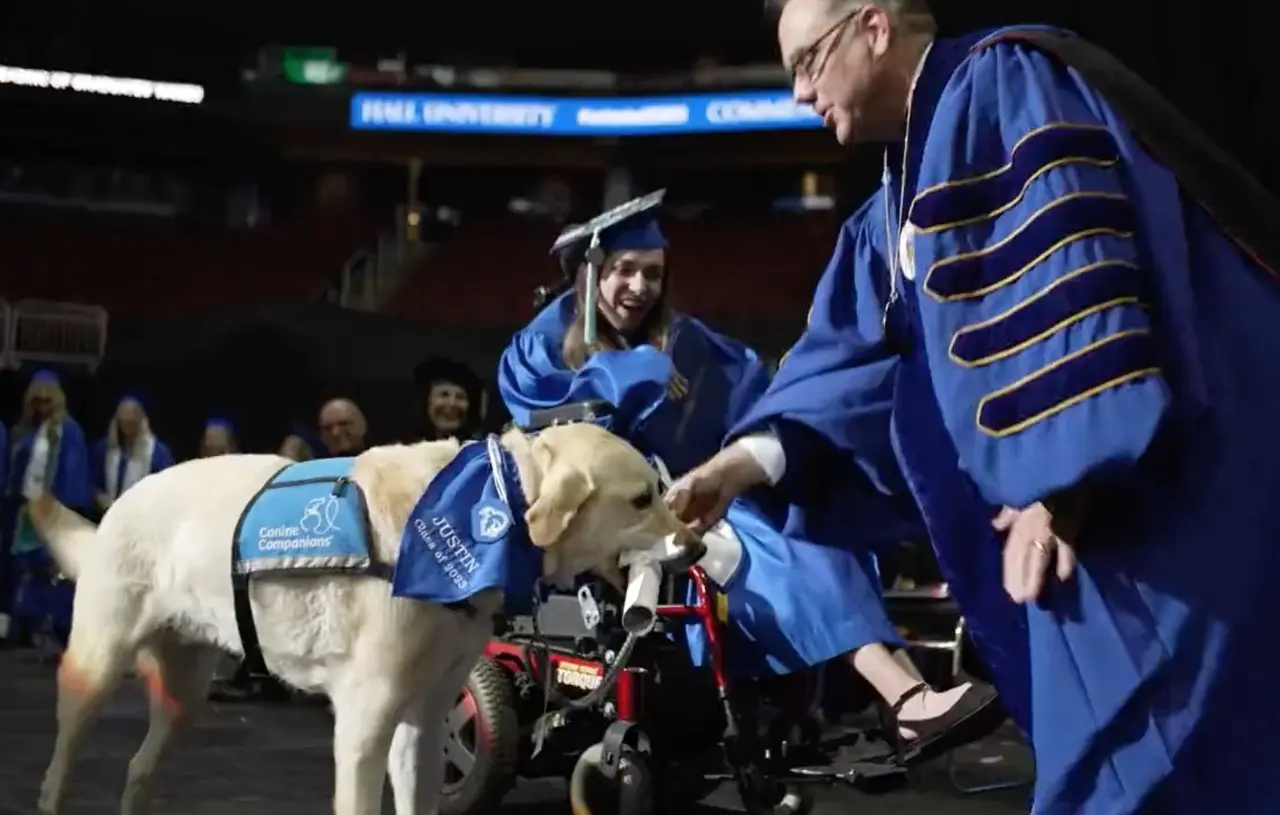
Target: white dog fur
[(154, 588)]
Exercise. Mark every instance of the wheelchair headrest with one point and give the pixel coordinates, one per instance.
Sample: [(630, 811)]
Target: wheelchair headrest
[(572, 413)]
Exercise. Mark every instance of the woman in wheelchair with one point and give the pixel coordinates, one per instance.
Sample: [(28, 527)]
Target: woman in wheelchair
[(807, 590)]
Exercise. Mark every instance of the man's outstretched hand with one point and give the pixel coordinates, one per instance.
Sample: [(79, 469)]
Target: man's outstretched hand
[(701, 496)]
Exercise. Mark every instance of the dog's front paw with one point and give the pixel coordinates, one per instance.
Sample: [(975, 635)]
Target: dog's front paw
[(50, 802)]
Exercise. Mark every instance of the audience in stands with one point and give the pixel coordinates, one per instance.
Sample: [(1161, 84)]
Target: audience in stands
[(342, 428), (451, 403), (219, 438), (299, 445), (49, 454), (129, 452)]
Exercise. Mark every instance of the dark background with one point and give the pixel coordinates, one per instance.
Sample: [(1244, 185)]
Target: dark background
[(1214, 66)]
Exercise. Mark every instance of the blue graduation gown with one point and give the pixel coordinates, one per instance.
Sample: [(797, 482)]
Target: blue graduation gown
[(1073, 319), (36, 596), (724, 377), (161, 459), (796, 601)]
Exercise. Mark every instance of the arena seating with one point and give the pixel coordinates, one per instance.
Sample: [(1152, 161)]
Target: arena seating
[(730, 269), (484, 272), (156, 267), (759, 270)]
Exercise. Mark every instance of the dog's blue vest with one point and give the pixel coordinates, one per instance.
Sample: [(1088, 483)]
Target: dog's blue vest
[(467, 533), (309, 517)]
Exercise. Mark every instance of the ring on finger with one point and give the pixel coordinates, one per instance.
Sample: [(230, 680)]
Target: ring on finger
[(1043, 544)]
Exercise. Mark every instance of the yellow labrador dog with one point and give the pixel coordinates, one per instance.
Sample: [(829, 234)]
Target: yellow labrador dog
[(154, 588)]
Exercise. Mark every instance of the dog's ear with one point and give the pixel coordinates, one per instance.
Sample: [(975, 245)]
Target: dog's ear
[(565, 487)]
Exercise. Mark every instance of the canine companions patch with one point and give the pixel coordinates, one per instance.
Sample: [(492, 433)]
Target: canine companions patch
[(310, 516), (467, 533)]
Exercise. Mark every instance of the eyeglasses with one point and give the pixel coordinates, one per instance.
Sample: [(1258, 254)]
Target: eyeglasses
[(812, 59)]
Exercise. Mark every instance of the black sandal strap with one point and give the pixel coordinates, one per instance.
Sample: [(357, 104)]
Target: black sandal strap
[(907, 696)]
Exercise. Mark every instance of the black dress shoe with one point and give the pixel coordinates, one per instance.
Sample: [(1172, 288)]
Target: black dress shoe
[(975, 715)]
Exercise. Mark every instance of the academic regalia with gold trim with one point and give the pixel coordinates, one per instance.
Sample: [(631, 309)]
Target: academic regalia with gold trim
[(833, 400), (1072, 318), (806, 592)]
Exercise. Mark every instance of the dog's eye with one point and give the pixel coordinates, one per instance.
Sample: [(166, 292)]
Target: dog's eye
[(643, 501)]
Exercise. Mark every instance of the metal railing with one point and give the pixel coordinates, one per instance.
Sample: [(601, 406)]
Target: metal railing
[(369, 277), (54, 332)]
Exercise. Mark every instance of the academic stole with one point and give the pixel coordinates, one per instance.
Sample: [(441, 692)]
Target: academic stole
[(25, 538)]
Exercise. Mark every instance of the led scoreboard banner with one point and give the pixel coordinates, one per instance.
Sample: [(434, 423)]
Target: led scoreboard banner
[(551, 116)]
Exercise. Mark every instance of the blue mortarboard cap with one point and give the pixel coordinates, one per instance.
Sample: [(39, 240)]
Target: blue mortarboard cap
[(639, 232), (136, 398), (219, 421), (632, 225), (47, 376)]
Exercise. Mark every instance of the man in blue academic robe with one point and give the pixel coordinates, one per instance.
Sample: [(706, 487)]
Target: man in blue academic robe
[(49, 454), (1087, 322)]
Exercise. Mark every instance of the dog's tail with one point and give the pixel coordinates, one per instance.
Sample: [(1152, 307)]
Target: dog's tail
[(66, 533)]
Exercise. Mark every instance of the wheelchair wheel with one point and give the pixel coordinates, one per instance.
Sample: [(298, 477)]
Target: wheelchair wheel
[(629, 792), (480, 743)]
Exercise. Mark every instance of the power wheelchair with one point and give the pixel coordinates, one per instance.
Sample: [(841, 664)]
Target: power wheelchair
[(631, 722)]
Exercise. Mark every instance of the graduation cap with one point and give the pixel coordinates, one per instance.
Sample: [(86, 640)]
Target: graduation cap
[(134, 397), (632, 225), (45, 376), (442, 369), (220, 422)]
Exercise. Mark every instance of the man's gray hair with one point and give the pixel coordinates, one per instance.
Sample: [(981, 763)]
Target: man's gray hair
[(914, 15)]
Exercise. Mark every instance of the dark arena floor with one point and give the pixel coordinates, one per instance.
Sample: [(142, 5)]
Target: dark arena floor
[(275, 760)]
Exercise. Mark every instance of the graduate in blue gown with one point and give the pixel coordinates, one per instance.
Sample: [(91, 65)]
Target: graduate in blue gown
[(808, 591), (128, 453), (1087, 360), (218, 438), (49, 455)]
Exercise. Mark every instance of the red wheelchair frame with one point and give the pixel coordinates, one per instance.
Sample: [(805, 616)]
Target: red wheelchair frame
[(628, 691), (625, 759)]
